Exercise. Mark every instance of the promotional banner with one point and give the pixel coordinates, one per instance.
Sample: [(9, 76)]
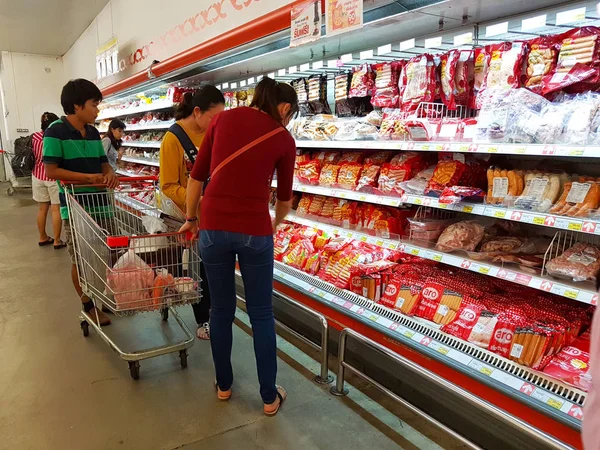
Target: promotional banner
[(306, 22), (342, 16)]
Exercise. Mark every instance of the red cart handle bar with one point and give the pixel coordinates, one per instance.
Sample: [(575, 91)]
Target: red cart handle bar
[(123, 179)]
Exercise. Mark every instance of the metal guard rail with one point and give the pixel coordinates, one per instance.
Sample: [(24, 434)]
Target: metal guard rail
[(474, 401), (323, 377)]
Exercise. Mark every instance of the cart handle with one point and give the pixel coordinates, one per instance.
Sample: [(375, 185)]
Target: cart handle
[(122, 179)]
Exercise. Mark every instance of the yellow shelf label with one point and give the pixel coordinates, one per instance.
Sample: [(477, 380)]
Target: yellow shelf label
[(363, 238), (418, 201), (500, 214), (571, 294), (574, 226), (492, 149), (321, 294), (442, 206), (414, 251), (484, 270), (467, 209), (463, 148), (379, 243), (409, 333), (486, 370), (554, 403), (437, 257), (443, 350), (538, 220), (520, 150)]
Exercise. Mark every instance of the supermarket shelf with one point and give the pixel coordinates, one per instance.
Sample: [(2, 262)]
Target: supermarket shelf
[(574, 291), (522, 382), (141, 144), (125, 173), (110, 113), (137, 205), (343, 193), (150, 126), (146, 161), (462, 147), (589, 226)]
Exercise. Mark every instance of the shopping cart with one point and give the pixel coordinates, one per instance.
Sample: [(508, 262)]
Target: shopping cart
[(20, 180), (127, 269)]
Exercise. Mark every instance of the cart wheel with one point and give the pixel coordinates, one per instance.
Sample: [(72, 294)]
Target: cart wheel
[(183, 356), (10, 191), (134, 369), (85, 328), (164, 313)]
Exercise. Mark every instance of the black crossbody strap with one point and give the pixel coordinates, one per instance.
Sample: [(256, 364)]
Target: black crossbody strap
[(188, 146)]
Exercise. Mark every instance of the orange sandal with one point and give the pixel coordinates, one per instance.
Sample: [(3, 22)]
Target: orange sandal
[(223, 396), (282, 395)]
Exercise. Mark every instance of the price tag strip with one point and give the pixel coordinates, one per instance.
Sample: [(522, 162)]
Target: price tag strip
[(467, 147), (493, 373)]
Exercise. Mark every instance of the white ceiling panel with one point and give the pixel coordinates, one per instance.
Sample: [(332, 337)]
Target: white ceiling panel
[(47, 27)]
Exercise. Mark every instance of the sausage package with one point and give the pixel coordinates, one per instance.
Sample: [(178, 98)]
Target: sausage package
[(578, 198), (571, 366), (418, 82), (542, 55), (386, 93)]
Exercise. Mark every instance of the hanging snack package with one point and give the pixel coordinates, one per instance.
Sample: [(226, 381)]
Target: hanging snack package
[(418, 82), (464, 78), (387, 76), (541, 61), (481, 65), (301, 87), (349, 175), (505, 68), (317, 94), (362, 83), (448, 68), (344, 107)]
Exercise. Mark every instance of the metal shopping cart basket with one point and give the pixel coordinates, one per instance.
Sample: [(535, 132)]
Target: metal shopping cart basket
[(20, 179), (127, 269)]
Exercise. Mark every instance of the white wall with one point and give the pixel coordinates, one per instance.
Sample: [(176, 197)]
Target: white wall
[(31, 85), (138, 23)]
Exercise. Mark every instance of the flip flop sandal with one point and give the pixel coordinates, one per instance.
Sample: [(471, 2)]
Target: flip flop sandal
[(60, 245), (282, 394), (48, 242), (222, 395)]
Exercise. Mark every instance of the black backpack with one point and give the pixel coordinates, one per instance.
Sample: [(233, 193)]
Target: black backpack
[(23, 160)]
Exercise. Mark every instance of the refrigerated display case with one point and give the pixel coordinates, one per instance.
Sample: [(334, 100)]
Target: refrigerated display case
[(517, 59)]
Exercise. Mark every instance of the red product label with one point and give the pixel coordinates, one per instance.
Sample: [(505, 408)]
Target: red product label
[(502, 337), (429, 300)]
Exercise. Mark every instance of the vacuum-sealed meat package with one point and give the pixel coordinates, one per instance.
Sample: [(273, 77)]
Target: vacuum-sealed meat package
[(418, 82), (571, 366), (464, 235), (131, 281), (581, 262), (386, 93)]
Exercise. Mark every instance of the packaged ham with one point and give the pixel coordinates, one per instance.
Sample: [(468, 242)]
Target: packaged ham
[(418, 82), (505, 66), (571, 366), (391, 176), (387, 76), (578, 198), (581, 262), (460, 236), (131, 281)]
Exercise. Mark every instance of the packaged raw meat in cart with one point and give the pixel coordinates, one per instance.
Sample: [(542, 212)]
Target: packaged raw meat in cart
[(386, 92), (464, 235), (571, 366), (131, 281), (581, 262), (418, 82)]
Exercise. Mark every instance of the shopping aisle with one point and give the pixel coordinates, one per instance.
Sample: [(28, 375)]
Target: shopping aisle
[(59, 390)]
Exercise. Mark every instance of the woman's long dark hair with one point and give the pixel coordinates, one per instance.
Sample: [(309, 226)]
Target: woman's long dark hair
[(204, 98), (270, 93), (48, 119), (115, 124)]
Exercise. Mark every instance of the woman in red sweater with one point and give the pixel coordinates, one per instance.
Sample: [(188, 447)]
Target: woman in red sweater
[(240, 152)]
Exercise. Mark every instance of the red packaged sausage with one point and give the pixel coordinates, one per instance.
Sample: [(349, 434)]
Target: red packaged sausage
[(571, 366)]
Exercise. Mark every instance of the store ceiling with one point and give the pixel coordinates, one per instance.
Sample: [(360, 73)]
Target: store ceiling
[(47, 27)]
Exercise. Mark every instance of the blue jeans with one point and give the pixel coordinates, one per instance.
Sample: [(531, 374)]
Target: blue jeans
[(255, 256)]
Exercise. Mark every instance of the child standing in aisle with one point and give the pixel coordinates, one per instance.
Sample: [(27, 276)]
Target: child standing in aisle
[(73, 151), (177, 155)]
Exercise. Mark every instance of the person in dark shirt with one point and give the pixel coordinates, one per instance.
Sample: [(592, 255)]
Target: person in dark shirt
[(240, 152)]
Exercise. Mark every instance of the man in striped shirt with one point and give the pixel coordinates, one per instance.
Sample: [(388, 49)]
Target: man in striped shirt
[(45, 190), (73, 151)]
